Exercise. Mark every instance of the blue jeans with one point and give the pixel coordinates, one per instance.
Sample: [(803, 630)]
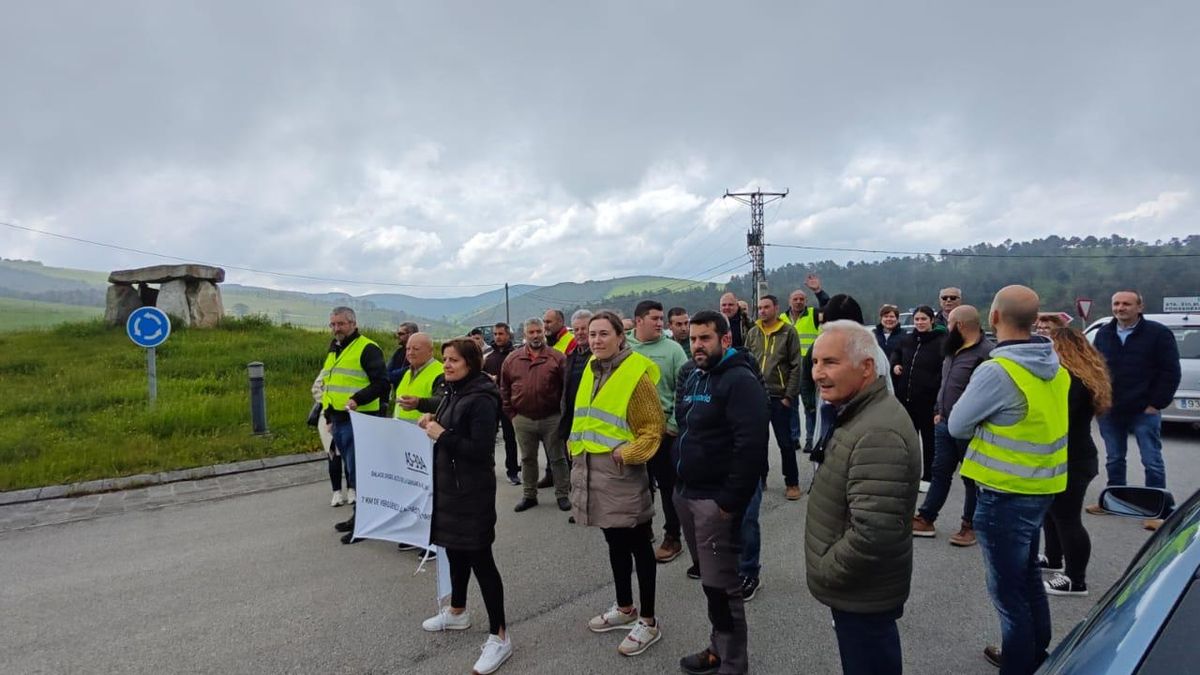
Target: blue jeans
[(748, 563), (796, 422), (781, 422), (948, 451), (343, 440), (1008, 527), (869, 644), (1147, 429)]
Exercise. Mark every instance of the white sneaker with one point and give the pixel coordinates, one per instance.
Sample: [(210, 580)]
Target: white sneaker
[(613, 619), (338, 498), (640, 638), (447, 620), (923, 487), (493, 654), (350, 496)]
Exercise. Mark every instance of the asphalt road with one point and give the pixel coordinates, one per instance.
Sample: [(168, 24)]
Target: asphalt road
[(259, 583)]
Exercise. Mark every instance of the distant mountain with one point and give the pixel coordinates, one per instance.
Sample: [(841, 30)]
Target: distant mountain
[(446, 308), (570, 295), (32, 281)]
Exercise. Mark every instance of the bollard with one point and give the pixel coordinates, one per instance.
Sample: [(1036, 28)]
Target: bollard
[(258, 398)]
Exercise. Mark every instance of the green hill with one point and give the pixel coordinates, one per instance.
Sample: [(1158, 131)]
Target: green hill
[(16, 314), (82, 413)]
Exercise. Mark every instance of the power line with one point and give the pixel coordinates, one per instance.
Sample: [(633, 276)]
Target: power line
[(754, 240), (682, 282), (242, 269), (960, 254)]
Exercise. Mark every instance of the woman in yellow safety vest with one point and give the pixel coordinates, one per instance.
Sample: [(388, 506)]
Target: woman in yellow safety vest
[(617, 427)]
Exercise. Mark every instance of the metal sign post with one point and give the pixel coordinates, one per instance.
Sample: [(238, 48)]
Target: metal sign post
[(149, 327), (152, 374)]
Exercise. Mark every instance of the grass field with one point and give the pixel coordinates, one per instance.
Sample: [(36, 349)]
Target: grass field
[(77, 409), (16, 314)]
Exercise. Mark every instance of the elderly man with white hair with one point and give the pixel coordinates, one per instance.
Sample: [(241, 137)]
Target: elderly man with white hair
[(858, 533)]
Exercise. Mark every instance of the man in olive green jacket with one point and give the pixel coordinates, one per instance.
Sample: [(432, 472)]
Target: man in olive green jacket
[(858, 534)]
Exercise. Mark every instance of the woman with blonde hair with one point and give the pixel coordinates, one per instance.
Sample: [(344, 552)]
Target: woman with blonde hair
[(1091, 394)]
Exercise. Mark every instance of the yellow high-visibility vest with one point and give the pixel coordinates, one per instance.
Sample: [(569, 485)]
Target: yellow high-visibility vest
[(342, 377), (806, 328), (420, 386), (563, 342), (1029, 457), (600, 423)]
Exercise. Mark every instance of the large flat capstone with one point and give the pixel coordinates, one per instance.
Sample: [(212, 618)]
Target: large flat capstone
[(158, 274)]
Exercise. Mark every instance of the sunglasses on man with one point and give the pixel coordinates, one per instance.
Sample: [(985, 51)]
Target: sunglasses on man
[(948, 298)]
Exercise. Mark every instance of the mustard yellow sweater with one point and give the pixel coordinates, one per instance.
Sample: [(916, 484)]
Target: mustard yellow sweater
[(645, 417)]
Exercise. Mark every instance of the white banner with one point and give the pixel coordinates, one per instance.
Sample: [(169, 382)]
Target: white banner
[(393, 471)]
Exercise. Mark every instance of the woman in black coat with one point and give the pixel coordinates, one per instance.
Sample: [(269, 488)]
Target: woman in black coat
[(464, 494), (917, 375)]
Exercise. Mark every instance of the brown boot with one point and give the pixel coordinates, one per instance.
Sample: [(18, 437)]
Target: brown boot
[(922, 527), (668, 550), (1095, 510), (1152, 524), (964, 537), (793, 492)]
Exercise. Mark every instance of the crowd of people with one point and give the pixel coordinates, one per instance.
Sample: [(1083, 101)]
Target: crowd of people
[(673, 411)]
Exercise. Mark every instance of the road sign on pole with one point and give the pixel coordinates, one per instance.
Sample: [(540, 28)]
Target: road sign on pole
[(1083, 307), (149, 327)]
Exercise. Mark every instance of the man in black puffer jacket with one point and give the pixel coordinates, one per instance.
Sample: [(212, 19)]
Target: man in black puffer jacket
[(722, 446)]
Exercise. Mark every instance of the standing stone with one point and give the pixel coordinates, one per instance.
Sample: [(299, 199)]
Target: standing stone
[(119, 303), (172, 299), (204, 302)]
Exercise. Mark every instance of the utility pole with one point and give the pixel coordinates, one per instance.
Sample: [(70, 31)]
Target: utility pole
[(754, 238), (507, 315)]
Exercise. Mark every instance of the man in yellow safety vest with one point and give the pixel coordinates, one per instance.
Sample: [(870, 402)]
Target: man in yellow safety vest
[(804, 319), (1014, 411), (415, 392), (354, 377)]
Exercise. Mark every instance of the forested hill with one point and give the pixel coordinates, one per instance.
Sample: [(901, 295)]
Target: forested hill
[(1059, 269)]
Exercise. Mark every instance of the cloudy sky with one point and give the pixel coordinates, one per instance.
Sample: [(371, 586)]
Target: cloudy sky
[(452, 143)]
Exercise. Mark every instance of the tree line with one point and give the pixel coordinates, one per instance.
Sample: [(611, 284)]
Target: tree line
[(1060, 269)]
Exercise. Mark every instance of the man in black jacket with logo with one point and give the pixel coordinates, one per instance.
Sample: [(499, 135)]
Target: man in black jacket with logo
[(722, 447)]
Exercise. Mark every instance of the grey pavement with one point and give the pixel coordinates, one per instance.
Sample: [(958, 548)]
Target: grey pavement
[(217, 577)]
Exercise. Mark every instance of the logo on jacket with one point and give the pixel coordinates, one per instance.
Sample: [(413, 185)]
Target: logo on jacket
[(698, 398)]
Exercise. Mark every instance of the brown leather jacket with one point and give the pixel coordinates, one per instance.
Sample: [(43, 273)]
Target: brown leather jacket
[(532, 386)]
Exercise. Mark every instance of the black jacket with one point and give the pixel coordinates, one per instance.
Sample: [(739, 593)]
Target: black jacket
[(371, 362), (723, 419), (1145, 370), (920, 355), (889, 343), (573, 369), (956, 373), (1082, 457), (495, 358), (464, 465)]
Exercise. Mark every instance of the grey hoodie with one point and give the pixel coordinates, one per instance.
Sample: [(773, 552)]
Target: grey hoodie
[(992, 396)]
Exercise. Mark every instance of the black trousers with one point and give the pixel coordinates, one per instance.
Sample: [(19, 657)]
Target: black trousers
[(920, 411), (480, 561), (512, 463), (662, 470), (629, 547), (1067, 539)]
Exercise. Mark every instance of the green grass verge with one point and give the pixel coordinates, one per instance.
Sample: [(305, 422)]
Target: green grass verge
[(77, 408), (17, 314)]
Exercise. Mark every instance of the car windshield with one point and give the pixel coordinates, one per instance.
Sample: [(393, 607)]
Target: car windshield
[(1188, 338)]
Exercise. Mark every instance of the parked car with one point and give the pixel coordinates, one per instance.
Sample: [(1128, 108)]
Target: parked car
[(1186, 327), (1148, 621)]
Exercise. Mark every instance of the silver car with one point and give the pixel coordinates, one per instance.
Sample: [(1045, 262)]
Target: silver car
[(1186, 327)]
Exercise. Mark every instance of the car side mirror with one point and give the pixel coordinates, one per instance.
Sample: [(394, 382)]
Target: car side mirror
[(1137, 502)]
